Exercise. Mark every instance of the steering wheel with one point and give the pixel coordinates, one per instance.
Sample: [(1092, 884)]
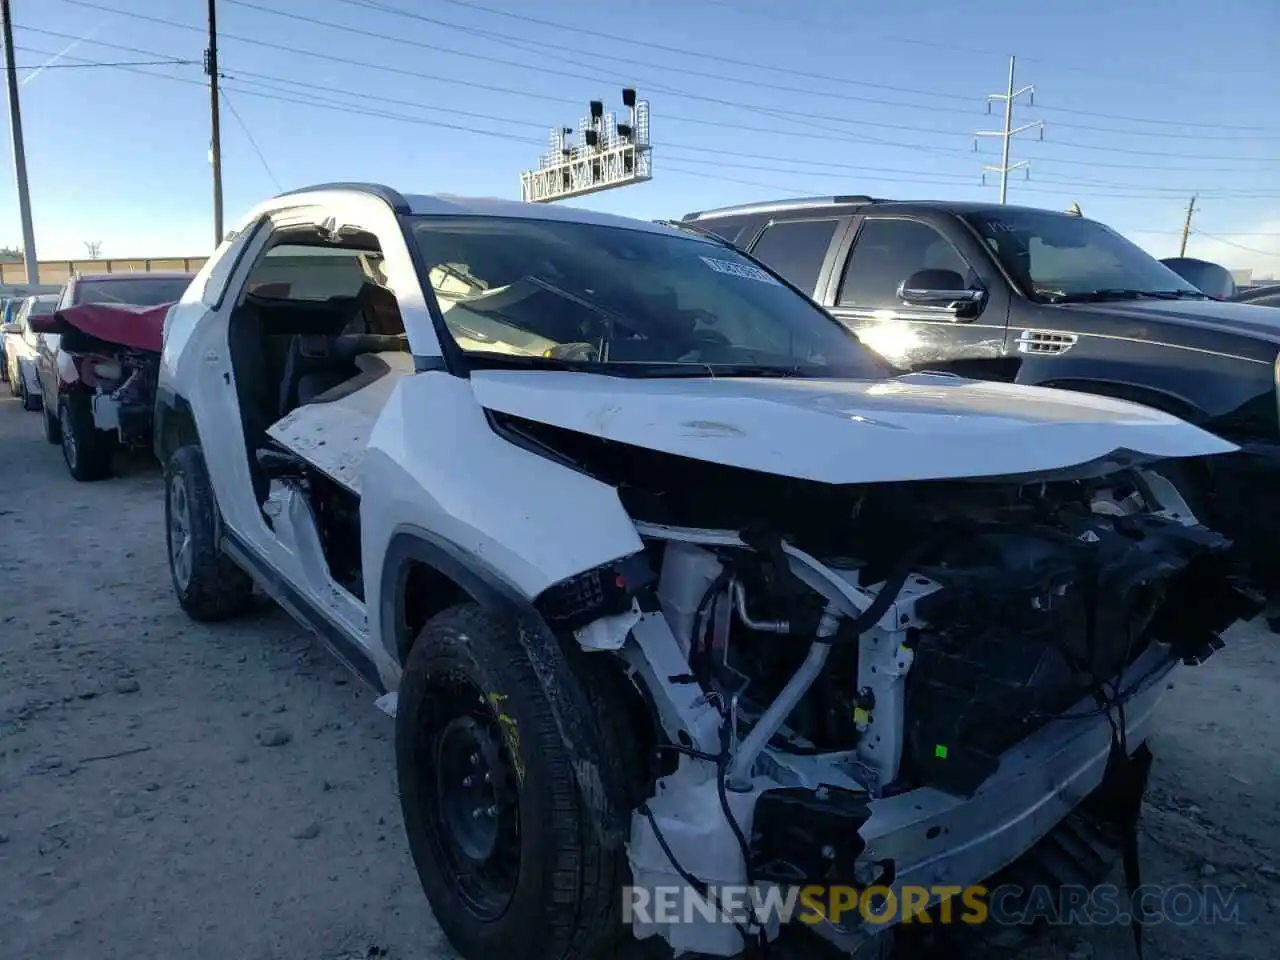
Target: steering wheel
[(703, 335)]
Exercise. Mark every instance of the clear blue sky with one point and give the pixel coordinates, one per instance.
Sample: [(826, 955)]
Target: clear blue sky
[(1143, 102)]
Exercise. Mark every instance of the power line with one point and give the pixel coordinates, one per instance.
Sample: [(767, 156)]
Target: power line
[(264, 81), (251, 83), (119, 63), (1238, 246), (757, 66), (806, 133), (831, 26), (539, 47), (1056, 187), (790, 190), (650, 85), (420, 121), (791, 115), (252, 142)]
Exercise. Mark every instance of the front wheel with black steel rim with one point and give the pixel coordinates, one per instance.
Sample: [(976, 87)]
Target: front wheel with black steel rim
[(504, 847), (208, 583), (86, 449)]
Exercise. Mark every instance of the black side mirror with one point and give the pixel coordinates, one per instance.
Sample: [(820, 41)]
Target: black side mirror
[(44, 323), (938, 288)]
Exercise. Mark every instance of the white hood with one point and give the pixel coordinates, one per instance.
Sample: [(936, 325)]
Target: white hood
[(917, 427)]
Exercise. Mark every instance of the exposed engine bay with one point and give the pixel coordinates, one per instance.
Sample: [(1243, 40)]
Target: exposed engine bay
[(1026, 600), (813, 652)]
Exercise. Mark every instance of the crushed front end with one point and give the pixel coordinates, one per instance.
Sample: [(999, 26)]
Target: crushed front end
[(110, 354), (905, 685)]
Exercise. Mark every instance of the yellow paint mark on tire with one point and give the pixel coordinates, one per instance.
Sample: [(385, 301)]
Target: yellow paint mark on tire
[(510, 733)]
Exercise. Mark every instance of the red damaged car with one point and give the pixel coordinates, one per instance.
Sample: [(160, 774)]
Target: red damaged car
[(97, 361)]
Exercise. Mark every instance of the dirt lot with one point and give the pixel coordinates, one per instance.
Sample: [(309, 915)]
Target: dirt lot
[(171, 789)]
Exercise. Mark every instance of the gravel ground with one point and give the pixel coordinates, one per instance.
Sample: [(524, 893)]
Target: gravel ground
[(173, 789)]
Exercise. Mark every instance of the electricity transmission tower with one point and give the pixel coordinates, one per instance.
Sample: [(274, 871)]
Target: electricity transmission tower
[(1008, 132), (611, 154)]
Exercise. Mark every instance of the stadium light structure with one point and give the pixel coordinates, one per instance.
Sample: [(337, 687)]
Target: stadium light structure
[(610, 154)]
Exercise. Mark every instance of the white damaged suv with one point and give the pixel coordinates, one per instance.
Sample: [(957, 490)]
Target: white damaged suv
[(673, 585)]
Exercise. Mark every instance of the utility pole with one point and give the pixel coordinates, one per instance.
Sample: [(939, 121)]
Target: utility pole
[(19, 151), (1008, 132), (1186, 227), (215, 142)]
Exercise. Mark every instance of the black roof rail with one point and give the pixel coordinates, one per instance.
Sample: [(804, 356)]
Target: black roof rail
[(393, 198)]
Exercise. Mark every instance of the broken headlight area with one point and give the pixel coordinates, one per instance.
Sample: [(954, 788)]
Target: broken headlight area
[(122, 385)]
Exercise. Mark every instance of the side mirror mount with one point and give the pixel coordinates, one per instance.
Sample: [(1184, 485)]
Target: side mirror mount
[(13, 328), (43, 323), (939, 288)]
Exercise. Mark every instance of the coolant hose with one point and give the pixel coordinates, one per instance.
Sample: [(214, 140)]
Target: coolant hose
[(785, 702), (783, 705)]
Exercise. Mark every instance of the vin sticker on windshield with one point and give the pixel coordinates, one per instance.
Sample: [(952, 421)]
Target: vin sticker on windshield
[(744, 270)]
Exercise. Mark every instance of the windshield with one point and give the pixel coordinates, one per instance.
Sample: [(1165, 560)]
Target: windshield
[(42, 305), (1056, 257), (618, 300), (140, 291)]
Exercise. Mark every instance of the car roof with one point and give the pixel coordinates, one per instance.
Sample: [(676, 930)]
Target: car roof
[(852, 203), (446, 205)]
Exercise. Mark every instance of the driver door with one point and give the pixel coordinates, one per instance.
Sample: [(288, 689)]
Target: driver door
[(881, 256)]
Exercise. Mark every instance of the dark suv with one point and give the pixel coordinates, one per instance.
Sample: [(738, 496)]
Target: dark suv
[(1052, 299)]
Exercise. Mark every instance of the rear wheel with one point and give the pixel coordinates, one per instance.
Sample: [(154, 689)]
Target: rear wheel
[(86, 449), (208, 583), (504, 848)]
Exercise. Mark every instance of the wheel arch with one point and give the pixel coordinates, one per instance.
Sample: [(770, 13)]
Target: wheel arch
[(1148, 396), (174, 424), (423, 574)]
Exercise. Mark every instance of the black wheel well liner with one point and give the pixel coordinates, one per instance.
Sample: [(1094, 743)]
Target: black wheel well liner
[(419, 559), (174, 424)]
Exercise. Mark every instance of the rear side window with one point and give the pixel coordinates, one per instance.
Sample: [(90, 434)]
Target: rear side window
[(795, 249), (299, 272)]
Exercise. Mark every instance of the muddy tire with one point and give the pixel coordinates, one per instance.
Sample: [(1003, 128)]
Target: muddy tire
[(504, 848), (208, 583), (85, 448)]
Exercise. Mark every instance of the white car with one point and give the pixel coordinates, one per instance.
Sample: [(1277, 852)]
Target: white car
[(21, 345), (572, 491)]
